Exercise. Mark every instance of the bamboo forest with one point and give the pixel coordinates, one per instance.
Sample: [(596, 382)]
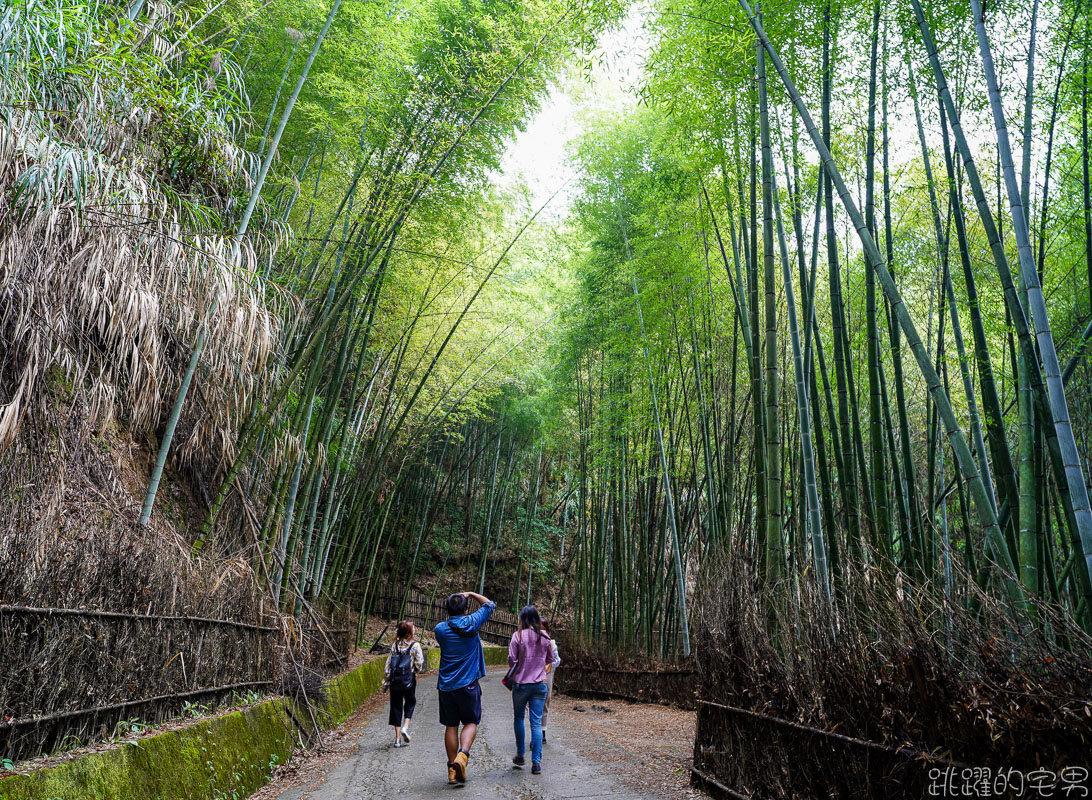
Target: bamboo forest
[(748, 341)]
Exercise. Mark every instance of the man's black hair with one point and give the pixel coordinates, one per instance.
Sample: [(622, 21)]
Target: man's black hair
[(457, 605)]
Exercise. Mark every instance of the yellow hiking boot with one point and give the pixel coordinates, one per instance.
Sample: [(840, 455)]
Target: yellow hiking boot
[(459, 766)]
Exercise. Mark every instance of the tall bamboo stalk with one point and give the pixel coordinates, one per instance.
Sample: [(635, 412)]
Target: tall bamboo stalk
[(775, 557), (1074, 473), (964, 458)]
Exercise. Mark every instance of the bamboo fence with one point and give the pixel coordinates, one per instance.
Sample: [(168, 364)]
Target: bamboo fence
[(76, 675)]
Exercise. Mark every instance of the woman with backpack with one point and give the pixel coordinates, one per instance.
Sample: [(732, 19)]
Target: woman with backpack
[(400, 675), (530, 650)]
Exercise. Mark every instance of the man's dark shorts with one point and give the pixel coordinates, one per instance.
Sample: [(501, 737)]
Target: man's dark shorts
[(461, 706)]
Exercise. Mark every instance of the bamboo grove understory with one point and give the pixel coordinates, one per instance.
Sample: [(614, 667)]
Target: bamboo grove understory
[(819, 298), (822, 408)]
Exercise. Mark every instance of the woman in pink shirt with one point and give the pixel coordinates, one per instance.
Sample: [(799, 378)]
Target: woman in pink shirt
[(529, 652)]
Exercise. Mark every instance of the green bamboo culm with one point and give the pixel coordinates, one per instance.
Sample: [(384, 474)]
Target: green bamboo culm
[(240, 231), (983, 507), (1074, 474)]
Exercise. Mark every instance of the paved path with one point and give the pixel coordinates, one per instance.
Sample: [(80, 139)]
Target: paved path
[(419, 770)]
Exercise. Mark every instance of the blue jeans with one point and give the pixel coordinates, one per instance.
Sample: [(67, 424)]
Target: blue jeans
[(533, 696)]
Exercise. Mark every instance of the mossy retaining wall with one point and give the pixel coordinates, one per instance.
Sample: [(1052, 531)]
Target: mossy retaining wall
[(224, 758)]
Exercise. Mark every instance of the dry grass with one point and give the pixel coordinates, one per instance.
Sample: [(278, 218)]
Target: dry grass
[(111, 660), (114, 175), (895, 664)]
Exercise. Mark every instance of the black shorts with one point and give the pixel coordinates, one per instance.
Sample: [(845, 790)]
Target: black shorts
[(461, 706), (403, 701)]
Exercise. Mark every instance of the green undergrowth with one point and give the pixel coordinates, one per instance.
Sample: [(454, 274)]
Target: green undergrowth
[(224, 758)]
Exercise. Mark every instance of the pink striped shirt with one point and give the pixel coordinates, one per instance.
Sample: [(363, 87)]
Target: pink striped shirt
[(532, 652)]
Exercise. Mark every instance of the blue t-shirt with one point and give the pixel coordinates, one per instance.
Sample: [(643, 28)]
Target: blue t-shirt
[(461, 658)]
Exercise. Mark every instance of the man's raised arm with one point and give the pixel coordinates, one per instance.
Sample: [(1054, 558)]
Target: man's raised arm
[(482, 599), (478, 618)]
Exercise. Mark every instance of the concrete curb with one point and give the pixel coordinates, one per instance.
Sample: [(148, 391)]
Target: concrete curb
[(224, 758)]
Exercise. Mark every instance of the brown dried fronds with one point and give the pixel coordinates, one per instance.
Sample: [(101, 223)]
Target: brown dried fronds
[(897, 662), (111, 259)]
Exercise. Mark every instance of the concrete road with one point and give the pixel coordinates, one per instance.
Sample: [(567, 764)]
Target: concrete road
[(377, 770)]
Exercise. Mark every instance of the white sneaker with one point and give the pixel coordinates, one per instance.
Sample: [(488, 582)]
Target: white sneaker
[(406, 736), (397, 742)]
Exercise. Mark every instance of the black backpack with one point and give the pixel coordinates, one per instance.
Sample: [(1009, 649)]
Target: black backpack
[(402, 668)]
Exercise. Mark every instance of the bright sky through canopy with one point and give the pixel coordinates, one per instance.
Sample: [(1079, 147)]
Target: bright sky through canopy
[(537, 155)]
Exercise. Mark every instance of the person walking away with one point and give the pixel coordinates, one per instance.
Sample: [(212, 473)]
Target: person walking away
[(528, 654), (406, 659), (551, 668), (462, 665)]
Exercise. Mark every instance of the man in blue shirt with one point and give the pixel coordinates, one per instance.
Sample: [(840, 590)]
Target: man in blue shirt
[(462, 663)]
